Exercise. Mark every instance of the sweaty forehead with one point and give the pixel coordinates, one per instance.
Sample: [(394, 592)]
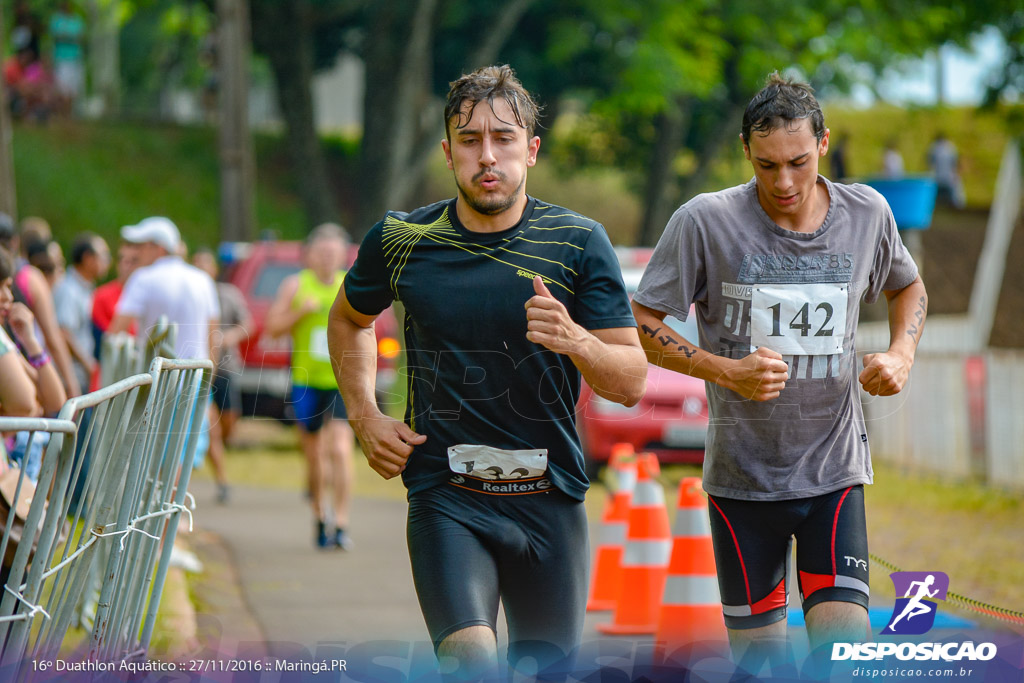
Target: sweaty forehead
[(789, 136), (474, 115)]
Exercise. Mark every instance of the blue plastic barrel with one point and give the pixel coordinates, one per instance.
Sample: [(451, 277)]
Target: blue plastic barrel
[(911, 199)]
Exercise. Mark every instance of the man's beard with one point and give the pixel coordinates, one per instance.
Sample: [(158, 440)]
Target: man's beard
[(491, 206)]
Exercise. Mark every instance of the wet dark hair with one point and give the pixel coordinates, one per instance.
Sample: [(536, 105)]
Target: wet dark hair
[(6, 264), (781, 102), (484, 85)]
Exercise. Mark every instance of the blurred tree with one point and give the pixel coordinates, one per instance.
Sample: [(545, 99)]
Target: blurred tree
[(1008, 19), (670, 80), (8, 196), (159, 48), (404, 45), (656, 87), (105, 19), (286, 33)]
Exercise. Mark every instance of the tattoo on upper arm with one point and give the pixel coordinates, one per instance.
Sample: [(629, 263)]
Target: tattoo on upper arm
[(915, 328)]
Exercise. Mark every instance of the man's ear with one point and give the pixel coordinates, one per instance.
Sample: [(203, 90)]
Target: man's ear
[(533, 146), (446, 146), (746, 147)]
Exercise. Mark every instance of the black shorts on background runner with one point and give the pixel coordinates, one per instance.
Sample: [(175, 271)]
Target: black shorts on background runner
[(465, 544), (752, 542)]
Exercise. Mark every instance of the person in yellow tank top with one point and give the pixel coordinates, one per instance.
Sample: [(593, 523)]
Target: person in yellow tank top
[(300, 309)]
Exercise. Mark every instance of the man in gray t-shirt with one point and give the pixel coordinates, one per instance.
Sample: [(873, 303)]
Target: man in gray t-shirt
[(72, 297), (776, 270)]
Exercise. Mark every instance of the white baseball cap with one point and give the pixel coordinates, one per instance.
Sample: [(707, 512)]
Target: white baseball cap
[(156, 229)]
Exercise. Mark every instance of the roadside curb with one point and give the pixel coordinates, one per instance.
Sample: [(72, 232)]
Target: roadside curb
[(225, 623)]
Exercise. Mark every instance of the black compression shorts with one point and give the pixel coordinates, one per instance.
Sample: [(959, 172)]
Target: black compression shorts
[(468, 548), (752, 547)]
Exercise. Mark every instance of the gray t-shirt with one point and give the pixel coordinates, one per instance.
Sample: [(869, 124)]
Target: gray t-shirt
[(754, 283), (72, 298), (233, 311)]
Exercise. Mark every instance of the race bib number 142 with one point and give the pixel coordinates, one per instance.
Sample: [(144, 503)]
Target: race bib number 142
[(799, 319)]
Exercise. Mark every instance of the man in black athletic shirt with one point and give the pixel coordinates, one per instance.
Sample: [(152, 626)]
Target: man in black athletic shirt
[(508, 300)]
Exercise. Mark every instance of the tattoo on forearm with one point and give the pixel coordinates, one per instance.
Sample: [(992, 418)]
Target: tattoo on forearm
[(668, 340), (915, 328), (649, 332)]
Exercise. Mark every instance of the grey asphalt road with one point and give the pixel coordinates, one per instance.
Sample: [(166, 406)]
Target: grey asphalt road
[(298, 599)]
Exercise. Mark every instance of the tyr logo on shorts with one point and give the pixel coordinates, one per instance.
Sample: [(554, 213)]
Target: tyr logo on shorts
[(914, 613)]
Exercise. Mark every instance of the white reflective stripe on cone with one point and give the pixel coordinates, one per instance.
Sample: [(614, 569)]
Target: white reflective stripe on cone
[(626, 479), (691, 590), (613, 533), (850, 582), (691, 522), (647, 553), (648, 493)]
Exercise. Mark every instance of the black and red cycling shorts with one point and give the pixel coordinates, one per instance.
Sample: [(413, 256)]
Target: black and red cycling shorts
[(753, 540)]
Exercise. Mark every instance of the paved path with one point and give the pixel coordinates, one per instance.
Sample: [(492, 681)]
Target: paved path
[(300, 596), (295, 597), (266, 590)]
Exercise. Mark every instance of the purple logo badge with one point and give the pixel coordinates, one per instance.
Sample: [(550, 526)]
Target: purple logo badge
[(914, 612)]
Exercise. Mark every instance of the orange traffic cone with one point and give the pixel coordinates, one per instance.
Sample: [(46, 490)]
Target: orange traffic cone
[(645, 559), (691, 608), (607, 580)]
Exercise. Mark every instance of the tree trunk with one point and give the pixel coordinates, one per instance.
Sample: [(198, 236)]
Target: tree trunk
[(398, 60), (401, 123), (671, 127), (726, 132), (501, 29), (105, 55), (237, 163), (286, 38), (8, 197)]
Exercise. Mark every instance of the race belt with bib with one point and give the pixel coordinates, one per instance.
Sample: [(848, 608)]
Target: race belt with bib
[(499, 472)]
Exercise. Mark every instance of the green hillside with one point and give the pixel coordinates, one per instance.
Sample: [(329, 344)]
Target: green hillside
[(100, 176), (979, 136)]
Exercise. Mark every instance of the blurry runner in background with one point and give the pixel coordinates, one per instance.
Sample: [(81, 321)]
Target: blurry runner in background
[(301, 309)]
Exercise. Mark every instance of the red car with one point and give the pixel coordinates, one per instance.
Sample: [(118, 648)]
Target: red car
[(258, 269), (671, 420)]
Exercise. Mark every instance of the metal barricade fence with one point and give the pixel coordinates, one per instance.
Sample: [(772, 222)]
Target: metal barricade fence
[(131, 498), (121, 356)]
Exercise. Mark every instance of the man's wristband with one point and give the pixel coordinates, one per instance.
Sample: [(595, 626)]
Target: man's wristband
[(39, 360)]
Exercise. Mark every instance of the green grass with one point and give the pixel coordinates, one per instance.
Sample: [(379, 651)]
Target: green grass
[(99, 176), (971, 532)]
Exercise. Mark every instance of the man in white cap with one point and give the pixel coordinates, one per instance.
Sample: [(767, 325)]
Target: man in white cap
[(165, 285)]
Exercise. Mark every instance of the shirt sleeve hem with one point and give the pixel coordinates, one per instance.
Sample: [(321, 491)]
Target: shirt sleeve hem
[(662, 306)]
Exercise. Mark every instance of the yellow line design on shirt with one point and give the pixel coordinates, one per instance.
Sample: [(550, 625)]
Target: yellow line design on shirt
[(399, 237), (540, 258), (520, 238), (541, 207)]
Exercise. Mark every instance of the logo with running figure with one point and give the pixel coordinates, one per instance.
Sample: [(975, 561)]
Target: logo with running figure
[(914, 613)]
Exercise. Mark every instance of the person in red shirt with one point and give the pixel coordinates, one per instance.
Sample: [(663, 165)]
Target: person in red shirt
[(105, 298)]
